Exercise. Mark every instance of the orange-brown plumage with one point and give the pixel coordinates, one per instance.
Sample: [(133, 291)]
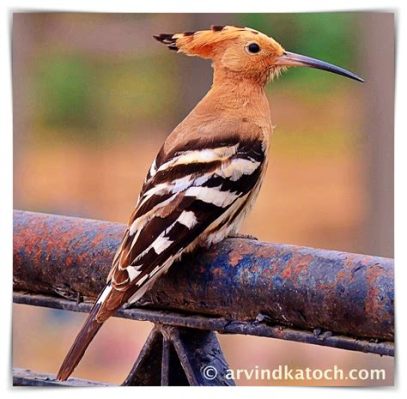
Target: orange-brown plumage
[(208, 172)]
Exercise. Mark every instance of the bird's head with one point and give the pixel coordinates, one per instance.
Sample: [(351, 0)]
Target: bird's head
[(243, 53)]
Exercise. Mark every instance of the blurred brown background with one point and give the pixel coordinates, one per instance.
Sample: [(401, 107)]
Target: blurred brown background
[(95, 96)]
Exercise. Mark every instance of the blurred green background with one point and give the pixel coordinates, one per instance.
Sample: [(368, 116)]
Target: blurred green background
[(94, 97)]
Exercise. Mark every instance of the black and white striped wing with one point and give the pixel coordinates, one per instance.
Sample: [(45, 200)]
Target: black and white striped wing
[(191, 196)]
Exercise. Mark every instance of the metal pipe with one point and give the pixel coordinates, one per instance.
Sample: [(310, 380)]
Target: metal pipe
[(238, 280), (259, 328)]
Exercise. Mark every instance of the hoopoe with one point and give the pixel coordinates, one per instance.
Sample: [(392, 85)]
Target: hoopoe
[(208, 172)]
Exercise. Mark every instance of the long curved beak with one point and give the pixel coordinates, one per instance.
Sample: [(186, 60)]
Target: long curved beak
[(292, 59)]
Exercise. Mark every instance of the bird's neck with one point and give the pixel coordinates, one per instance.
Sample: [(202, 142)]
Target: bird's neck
[(256, 79), (234, 93), (232, 106)]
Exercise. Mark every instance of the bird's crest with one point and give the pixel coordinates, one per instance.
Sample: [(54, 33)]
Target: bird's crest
[(204, 43)]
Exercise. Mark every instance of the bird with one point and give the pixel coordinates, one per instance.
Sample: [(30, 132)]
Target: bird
[(208, 172)]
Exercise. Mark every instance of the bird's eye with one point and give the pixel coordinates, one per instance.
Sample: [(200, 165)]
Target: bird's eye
[(253, 48)]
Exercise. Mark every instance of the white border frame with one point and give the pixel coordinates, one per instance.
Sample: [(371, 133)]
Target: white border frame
[(8, 6)]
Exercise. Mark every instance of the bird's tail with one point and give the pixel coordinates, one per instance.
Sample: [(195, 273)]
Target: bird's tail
[(85, 336)]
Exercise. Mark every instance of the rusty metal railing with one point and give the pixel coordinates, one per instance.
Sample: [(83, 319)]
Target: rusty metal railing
[(240, 286)]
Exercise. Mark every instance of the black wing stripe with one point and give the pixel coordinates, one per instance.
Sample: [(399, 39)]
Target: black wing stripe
[(241, 186), (182, 170), (152, 202), (251, 150)]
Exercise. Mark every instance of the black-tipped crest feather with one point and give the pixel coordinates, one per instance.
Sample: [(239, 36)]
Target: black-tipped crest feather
[(168, 39)]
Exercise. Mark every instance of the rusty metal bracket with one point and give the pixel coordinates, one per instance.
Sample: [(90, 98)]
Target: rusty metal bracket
[(180, 356)]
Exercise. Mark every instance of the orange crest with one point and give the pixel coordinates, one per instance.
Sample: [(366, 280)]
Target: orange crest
[(212, 42), (232, 49)]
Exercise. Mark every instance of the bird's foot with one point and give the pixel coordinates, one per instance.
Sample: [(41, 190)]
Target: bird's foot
[(245, 236)]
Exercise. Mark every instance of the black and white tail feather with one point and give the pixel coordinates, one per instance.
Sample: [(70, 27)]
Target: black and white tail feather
[(193, 196)]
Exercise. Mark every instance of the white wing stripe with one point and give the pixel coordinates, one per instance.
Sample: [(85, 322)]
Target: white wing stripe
[(161, 243), (153, 169), (133, 272), (212, 195), (105, 293), (188, 219), (238, 167), (200, 156), (174, 186)]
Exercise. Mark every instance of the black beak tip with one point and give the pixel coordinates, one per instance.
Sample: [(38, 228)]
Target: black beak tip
[(359, 79), (344, 72)]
